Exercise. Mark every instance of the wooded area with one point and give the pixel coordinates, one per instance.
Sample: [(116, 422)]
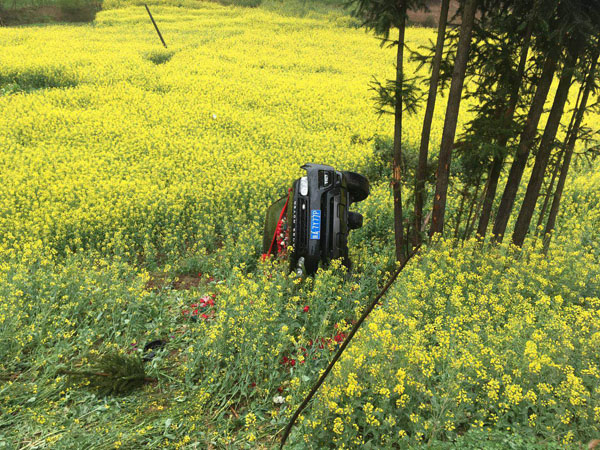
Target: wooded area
[(508, 53)]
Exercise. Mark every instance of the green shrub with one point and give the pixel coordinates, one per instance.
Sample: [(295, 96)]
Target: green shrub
[(347, 22)]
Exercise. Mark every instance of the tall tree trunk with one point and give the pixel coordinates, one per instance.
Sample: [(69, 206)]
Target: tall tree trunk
[(427, 120), (490, 195), (543, 155), (498, 161), (472, 204), (471, 223), (568, 154), (452, 110), (559, 158), (525, 143), (550, 188), (461, 208), (471, 207), (397, 166)]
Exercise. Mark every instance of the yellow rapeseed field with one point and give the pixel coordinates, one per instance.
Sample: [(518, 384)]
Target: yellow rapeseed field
[(129, 170), (114, 152)]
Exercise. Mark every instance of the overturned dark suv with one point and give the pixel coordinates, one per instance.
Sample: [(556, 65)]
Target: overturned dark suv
[(311, 223)]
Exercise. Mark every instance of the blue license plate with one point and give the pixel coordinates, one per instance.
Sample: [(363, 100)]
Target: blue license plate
[(315, 224)]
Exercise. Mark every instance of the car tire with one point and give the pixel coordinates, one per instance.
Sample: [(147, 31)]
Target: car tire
[(358, 186), (355, 220)]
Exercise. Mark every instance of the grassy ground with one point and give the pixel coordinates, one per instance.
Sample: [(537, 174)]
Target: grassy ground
[(134, 181)]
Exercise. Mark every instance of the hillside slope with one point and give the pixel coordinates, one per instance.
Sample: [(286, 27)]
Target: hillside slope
[(135, 179)]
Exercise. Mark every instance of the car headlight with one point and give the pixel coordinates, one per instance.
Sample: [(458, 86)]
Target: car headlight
[(304, 186)]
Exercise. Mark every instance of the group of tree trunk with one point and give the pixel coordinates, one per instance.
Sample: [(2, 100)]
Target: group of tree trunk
[(501, 57)]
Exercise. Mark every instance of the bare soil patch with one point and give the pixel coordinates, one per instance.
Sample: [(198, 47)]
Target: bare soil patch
[(431, 18), (160, 280)]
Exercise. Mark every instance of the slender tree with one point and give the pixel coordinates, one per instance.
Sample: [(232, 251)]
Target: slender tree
[(589, 84), (526, 141), (502, 29), (508, 114), (471, 226), (461, 208), (451, 119), (550, 187), (427, 120), (397, 165), (546, 145), (557, 163), (569, 27), (382, 16), (472, 206)]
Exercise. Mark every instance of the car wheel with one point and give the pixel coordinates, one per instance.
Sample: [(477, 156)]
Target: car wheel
[(355, 220), (358, 186)]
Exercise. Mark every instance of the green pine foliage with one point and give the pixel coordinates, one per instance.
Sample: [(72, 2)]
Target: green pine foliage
[(114, 373)]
